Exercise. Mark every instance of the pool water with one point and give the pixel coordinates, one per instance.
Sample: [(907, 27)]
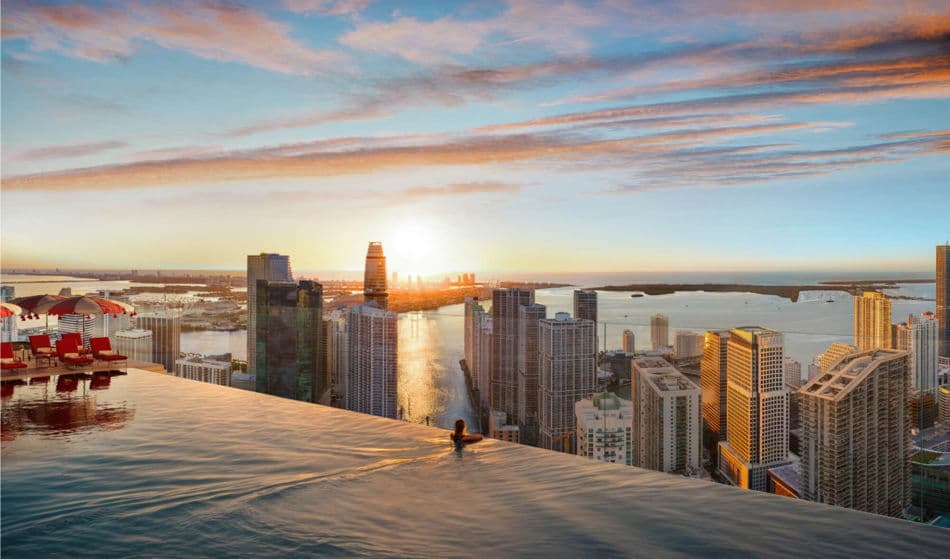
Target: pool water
[(147, 465)]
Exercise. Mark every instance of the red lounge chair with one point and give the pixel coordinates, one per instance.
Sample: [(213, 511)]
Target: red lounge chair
[(69, 354), (42, 349), (76, 338), (7, 361), (102, 350)]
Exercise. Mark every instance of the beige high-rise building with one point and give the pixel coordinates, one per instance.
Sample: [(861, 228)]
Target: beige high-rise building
[(756, 407), (567, 369), (943, 300), (666, 417), (372, 334), (830, 356), (166, 336), (687, 344), (604, 428), (712, 380), (872, 321), (659, 331), (793, 372), (856, 438), (919, 337), (628, 341)]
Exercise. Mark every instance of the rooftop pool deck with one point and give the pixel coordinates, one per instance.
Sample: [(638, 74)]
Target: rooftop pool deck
[(148, 465)]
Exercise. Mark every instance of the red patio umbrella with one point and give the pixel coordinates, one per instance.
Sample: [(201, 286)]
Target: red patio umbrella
[(37, 304), (86, 305), (9, 309)]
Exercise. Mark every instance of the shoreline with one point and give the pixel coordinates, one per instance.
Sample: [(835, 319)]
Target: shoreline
[(791, 292)]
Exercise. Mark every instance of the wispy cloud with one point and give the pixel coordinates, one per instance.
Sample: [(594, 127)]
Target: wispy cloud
[(327, 7), (215, 30), (69, 151), (676, 157), (559, 27)]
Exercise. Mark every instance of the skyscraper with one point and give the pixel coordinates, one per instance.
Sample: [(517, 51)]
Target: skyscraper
[(872, 321), (793, 373), (134, 344), (666, 417), (756, 407), (337, 350), (268, 267), (166, 336), (659, 331), (585, 304), (830, 356), (567, 367), (604, 428), (713, 381), (943, 299), (856, 439), (919, 338), (374, 276), (628, 341), (372, 334), (290, 339), (528, 353), (687, 344), (481, 354), (506, 315), (471, 311)]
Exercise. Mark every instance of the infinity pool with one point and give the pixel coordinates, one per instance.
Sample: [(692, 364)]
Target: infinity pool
[(146, 465)]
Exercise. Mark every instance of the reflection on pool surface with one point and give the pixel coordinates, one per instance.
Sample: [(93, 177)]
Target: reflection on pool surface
[(152, 465)]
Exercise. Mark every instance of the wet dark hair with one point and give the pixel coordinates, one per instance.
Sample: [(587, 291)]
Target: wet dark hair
[(459, 426)]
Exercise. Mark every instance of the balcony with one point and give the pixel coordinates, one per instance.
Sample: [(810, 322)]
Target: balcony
[(144, 465)]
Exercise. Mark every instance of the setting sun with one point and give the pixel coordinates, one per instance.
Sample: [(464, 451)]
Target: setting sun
[(413, 249)]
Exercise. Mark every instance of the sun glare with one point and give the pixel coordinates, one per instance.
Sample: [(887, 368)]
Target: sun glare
[(412, 249)]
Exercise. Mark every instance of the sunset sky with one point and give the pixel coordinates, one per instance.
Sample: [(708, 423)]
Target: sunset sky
[(488, 136)]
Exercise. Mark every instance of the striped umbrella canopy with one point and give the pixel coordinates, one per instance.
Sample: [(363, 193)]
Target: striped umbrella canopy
[(9, 309), (86, 305), (37, 304)]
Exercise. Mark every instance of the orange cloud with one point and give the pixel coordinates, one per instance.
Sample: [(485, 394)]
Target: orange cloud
[(207, 29)]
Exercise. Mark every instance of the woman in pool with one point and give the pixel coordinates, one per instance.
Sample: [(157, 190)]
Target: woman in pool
[(460, 438)]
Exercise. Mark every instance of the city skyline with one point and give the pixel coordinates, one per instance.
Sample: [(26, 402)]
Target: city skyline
[(445, 130)]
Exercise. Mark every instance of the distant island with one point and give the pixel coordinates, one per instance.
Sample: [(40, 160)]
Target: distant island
[(786, 291)]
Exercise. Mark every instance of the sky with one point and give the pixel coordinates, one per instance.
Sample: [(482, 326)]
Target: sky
[(519, 135)]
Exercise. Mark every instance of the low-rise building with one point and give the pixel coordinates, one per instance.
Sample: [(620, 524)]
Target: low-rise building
[(605, 428), (196, 367), (499, 428)]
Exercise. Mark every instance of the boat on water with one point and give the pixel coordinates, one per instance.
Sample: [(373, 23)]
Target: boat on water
[(636, 295)]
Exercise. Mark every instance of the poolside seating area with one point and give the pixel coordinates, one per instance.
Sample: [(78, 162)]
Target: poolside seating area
[(43, 356)]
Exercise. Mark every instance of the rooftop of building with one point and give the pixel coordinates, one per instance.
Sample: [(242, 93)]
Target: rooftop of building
[(653, 364), (145, 464), (845, 374), (607, 401), (789, 474), (133, 333), (673, 381)]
